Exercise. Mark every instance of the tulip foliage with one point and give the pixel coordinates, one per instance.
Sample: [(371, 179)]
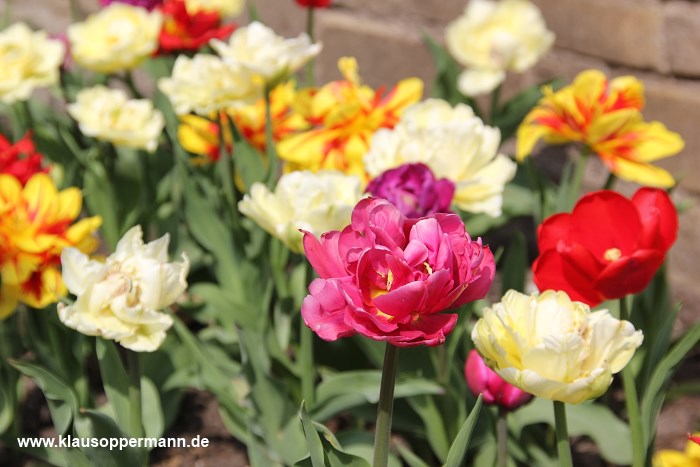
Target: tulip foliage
[(198, 216)]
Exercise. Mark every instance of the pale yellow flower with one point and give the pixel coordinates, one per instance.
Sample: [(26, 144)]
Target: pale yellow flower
[(204, 84), (258, 49), (455, 144), (552, 347), (119, 37), (492, 37), (122, 298), (225, 8), (108, 114), (27, 60), (316, 202)]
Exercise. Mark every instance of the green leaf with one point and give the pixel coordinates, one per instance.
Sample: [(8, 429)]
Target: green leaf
[(62, 400), (409, 457), (100, 200), (653, 397), (101, 428), (435, 431), (455, 457), (152, 410), (313, 441), (515, 264), (610, 434), (114, 380), (348, 389), (514, 111)]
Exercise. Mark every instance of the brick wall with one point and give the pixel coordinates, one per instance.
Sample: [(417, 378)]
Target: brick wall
[(658, 41)]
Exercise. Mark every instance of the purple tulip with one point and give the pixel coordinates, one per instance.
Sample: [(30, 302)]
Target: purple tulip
[(483, 380), (147, 4), (414, 190)]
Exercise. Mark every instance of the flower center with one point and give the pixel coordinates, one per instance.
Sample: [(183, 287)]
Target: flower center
[(612, 254)]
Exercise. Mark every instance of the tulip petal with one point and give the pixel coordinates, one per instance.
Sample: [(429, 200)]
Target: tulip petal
[(659, 218), (630, 274), (324, 255), (552, 272), (79, 270), (324, 310)]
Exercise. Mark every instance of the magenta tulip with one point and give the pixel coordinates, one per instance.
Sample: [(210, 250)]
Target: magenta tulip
[(483, 380), (390, 278), (413, 189)]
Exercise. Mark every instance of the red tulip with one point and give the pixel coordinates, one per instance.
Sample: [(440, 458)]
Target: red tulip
[(495, 390), (608, 247), (184, 31), (313, 3), (22, 168), (390, 278)]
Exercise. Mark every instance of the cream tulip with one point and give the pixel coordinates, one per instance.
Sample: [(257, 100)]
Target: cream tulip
[(553, 347), (492, 37), (315, 202), (122, 298), (258, 49), (28, 60), (455, 144), (205, 84), (109, 115), (118, 37)]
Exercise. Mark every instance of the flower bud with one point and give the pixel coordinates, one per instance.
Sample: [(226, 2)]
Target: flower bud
[(483, 380)]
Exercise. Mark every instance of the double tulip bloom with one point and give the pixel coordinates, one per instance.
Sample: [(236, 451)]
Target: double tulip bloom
[(553, 347), (122, 297), (390, 278), (413, 189), (608, 247)]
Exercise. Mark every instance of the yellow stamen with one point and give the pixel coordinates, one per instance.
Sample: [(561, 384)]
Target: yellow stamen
[(612, 254)]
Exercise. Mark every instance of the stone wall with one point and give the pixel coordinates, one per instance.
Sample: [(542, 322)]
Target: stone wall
[(657, 41)]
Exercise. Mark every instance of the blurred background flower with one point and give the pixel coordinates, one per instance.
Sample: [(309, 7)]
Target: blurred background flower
[(28, 60), (313, 202), (491, 38), (343, 116)]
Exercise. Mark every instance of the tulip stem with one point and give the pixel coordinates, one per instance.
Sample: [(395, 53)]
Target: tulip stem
[(632, 402), (577, 178), (502, 437), (563, 446), (269, 141), (134, 370), (610, 182), (382, 436), (306, 362), (495, 98)]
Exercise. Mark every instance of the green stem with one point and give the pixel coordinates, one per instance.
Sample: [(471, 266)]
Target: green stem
[(502, 437), (495, 98), (129, 81), (577, 178), (382, 436), (306, 362), (134, 369), (270, 141), (610, 182), (310, 31), (225, 170), (632, 402), (76, 13), (563, 446)]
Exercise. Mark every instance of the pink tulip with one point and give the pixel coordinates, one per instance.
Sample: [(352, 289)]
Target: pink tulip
[(390, 278), (483, 380)]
